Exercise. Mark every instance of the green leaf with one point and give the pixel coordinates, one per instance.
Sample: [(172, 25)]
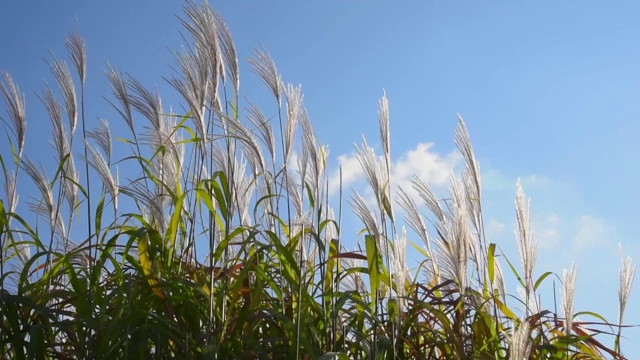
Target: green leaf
[(36, 342), (332, 267), (595, 315), (220, 191), (145, 262), (419, 249), (386, 204), (515, 272), (491, 262), (505, 310), (172, 229), (98, 221), (541, 279), (373, 262), (394, 310)]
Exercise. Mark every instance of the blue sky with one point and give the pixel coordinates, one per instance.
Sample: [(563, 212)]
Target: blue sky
[(549, 91)]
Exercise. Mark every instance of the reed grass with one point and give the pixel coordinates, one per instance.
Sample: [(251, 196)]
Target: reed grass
[(221, 240)]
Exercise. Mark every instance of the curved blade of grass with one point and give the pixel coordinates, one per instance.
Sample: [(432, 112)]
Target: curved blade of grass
[(373, 266), (145, 262)]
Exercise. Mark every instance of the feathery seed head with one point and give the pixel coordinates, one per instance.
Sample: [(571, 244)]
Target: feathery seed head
[(71, 178), (531, 303), (371, 165), (193, 87), (119, 90), (102, 168), (385, 140), (204, 28), (354, 281), (452, 245), (264, 66), (11, 191), (413, 217), (15, 108), (264, 128), (63, 148), (462, 243), (24, 252), (385, 137), (37, 175), (167, 164), (293, 191), (242, 190), (250, 146), (428, 197), (146, 103), (331, 229), (102, 136), (568, 291), (400, 265), (294, 108), (60, 142), (314, 152), (627, 273), (527, 247), (75, 46), (520, 343), (67, 89), (365, 215), (463, 142), (40, 208), (150, 203), (228, 49)]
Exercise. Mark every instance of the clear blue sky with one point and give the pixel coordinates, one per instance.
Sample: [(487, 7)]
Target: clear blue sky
[(549, 91)]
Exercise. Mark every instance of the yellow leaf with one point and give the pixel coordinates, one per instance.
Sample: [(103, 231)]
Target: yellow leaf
[(145, 262)]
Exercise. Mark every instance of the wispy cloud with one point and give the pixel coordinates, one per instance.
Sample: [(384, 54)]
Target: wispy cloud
[(583, 232), (590, 232), (546, 230), (498, 180), (537, 180), (494, 229)]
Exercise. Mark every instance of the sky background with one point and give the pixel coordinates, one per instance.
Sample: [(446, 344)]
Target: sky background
[(549, 91)]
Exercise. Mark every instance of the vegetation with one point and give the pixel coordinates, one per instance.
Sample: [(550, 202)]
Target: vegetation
[(224, 244)]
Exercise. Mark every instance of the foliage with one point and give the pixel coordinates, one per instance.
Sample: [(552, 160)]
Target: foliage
[(225, 245)]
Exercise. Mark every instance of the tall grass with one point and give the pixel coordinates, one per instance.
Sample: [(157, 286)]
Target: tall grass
[(222, 241)]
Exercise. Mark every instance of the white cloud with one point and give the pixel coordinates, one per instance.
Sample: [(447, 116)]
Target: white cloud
[(498, 180), (590, 232), (494, 229), (546, 231), (553, 219), (422, 162), (549, 238), (586, 231), (427, 165), (537, 180), (351, 171), (435, 169)]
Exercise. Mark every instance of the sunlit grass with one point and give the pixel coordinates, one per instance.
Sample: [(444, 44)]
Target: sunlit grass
[(222, 241)]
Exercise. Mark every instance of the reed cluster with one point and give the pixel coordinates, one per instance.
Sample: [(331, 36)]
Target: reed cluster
[(220, 239)]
